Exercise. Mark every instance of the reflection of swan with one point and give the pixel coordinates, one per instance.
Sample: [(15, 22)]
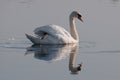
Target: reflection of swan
[(50, 52), (72, 68), (55, 53), (53, 34)]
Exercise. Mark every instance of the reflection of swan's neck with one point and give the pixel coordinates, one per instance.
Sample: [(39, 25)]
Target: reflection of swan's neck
[(71, 62), (73, 30), (72, 68)]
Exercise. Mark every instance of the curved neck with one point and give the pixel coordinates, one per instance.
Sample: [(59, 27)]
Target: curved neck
[(73, 30)]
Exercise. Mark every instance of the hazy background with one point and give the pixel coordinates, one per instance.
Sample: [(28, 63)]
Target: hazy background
[(99, 35), (101, 17)]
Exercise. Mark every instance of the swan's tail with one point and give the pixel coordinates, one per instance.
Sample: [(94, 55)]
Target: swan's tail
[(33, 39)]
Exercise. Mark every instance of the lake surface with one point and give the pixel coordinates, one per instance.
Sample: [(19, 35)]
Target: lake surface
[(98, 50)]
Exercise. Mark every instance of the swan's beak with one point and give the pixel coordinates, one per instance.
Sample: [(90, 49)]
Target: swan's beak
[(80, 19)]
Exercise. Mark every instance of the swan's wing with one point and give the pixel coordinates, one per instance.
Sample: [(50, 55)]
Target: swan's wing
[(52, 30), (51, 34), (55, 34), (41, 34)]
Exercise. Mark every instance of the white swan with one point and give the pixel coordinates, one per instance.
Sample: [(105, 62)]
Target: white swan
[(53, 34)]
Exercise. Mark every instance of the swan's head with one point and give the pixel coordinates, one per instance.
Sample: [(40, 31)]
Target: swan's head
[(76, 14)]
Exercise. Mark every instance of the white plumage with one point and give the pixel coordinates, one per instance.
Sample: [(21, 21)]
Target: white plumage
[(54, 34)]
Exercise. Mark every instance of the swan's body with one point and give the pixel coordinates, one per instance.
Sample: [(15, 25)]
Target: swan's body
[(53, 34)]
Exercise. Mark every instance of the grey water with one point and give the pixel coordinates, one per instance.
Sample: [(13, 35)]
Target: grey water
[(98, 50)]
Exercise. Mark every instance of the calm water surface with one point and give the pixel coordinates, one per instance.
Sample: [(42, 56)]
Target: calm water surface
[(98, 50)]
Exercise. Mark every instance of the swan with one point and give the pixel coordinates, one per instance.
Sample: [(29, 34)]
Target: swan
[(54, 34)]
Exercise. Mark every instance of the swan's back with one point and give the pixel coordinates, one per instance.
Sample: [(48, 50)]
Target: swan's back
[(56, 32), (52, 30)]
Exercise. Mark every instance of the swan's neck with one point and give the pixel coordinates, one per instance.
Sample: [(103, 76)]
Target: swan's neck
[(73, 30)]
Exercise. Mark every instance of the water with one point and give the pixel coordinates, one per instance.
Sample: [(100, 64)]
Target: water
[(98, 51)]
